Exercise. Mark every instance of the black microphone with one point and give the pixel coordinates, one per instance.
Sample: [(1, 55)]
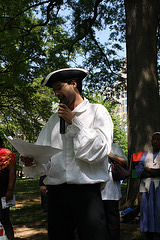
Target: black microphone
[(62, 122)]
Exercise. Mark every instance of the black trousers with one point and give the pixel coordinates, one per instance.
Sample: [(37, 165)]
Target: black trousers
[(76, 207), (4, 213), (113, 218), (5, 220)]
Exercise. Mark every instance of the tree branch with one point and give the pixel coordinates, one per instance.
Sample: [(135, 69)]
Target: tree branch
[(102, 52), (87, 25), (25, 10), (49, 9)]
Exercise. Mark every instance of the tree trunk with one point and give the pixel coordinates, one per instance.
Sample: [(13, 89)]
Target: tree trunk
[(142, 80)]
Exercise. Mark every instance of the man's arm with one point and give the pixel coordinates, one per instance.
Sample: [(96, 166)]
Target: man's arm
[(12, 180), (150, 172), (118, 159), (27, 161), (92, 145)]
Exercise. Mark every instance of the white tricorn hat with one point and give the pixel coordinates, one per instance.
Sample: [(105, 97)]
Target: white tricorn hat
[(155, 133), (65, 74)]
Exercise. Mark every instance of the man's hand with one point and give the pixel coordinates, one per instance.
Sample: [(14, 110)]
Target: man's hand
[(65, 113), (147, 169), (27, 161), (43, 189)]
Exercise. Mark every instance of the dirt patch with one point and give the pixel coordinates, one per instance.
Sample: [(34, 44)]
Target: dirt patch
[(35, 227), (128, 231), (26, 233)]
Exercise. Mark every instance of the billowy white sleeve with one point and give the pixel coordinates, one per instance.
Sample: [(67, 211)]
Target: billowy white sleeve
[(92, 144), (35, 171)]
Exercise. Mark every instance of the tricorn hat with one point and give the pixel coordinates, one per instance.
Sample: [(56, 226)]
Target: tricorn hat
[(65, 74)]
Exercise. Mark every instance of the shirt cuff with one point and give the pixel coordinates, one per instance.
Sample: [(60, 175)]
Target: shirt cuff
[(75, 127)]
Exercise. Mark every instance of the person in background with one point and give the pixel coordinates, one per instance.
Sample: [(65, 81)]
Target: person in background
[(148, 170), (7, 182), (44, 193), (112, 193), (75, 174)]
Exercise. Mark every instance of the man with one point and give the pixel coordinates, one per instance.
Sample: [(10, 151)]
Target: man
[(7, 182), (112, 193), (148, 170), (74, 175)]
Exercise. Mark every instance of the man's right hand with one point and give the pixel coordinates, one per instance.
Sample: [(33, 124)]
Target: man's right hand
[(27, 161)]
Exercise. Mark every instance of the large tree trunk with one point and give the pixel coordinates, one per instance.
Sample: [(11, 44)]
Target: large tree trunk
[(142, 81)]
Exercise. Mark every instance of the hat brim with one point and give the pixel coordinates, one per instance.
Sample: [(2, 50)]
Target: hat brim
[(65, 74)]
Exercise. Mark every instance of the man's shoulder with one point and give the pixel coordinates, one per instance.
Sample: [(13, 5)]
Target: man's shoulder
[(51, 121), (54, 117), (97, 106), (118, 151)]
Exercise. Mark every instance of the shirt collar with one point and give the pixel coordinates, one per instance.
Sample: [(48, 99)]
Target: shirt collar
[(81, 107)]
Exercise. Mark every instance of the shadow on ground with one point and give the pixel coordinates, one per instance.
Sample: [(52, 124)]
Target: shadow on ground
[(39, 236)]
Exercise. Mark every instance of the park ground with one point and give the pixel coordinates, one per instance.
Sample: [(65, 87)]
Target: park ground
[(29, 220)]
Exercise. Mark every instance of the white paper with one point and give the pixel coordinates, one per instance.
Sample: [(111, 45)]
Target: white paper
[(40, 153), (9, 203)]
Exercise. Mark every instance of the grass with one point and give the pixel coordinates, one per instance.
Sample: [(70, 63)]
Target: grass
[(30, 221), (28, 212), (124, 187)]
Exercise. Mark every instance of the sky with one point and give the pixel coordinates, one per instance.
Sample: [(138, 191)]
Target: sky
[(103, 35)]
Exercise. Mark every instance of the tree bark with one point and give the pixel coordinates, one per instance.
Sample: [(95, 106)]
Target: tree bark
[(142, 80)]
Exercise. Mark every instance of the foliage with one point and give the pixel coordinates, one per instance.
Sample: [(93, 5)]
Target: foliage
[(101, 59), (24, 110), (30, 48)]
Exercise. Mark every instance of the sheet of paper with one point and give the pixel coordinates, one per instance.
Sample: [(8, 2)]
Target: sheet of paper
[(40, 153), (9, 203)]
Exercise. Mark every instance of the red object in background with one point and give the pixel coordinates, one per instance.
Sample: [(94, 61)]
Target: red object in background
[(135, 160), (6, 157), (1, 230), (136, 156)]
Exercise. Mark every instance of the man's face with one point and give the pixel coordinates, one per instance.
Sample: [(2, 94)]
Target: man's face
[(65, 91), (156, 142)]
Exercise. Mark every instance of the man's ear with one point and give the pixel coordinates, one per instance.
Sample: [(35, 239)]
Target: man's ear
[(74, 83)]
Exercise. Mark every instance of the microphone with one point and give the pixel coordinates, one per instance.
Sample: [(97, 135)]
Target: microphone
[(62, 122)]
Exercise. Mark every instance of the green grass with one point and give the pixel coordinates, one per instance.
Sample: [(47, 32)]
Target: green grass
[(124, 187), (28, 208), (27, 186)]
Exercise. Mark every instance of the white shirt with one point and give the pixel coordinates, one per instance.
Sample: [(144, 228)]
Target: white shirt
[(112, 189), (149, 161), (83, 148)]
